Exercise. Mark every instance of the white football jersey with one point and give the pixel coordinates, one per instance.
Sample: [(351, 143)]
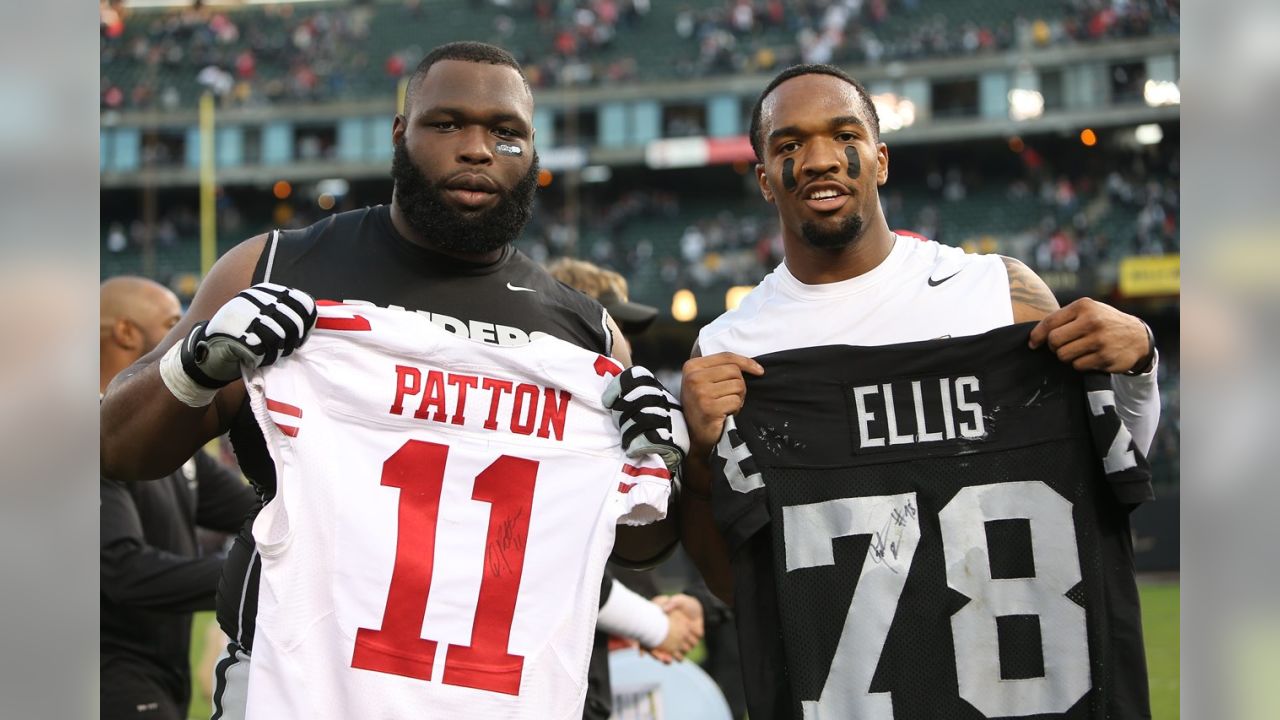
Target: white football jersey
[(443, 513), (922, 291)]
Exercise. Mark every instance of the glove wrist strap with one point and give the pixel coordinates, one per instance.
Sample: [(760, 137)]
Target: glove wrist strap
[(174, 374)]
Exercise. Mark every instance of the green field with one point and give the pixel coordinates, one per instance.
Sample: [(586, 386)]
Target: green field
[(1159, 621), (199, 703), (1160, 631)]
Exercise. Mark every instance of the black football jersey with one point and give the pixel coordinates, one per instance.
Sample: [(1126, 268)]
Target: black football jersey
[(933, 530), (358, 257)]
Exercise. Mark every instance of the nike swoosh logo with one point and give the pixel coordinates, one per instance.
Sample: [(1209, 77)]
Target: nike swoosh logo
[(517, 288), (936, 283)]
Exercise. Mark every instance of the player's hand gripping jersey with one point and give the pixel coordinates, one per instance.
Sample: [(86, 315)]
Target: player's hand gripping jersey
[(442, 517), (933, 530)]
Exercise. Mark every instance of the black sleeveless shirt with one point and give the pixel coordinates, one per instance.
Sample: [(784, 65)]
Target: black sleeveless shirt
[(359, 257)]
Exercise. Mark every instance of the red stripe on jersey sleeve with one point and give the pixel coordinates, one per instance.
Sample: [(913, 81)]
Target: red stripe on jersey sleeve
[(289, 430), (634, 471), (284, 408)]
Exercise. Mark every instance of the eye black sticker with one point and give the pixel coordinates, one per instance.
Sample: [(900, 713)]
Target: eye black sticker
[(509, 150)]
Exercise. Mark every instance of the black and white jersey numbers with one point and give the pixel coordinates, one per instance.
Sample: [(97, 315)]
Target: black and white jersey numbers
[(947, 534)]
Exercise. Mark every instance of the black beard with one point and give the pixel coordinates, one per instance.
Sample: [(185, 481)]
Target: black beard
[(848, 231), (446, 228)]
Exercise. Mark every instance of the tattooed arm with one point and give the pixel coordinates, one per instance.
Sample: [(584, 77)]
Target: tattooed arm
[(1094, 336), (1088, 334), (1032, 298)]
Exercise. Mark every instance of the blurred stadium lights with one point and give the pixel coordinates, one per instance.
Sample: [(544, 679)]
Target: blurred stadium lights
[(329, 191), (734, 295), (1159, 93), (337, 187), (698, 152), (677, 152), (895, 112), (1149, 134), (684, 306), (1025, 104), (596, 174)]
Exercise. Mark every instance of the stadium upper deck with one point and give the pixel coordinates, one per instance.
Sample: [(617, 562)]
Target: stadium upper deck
[(327, 52)]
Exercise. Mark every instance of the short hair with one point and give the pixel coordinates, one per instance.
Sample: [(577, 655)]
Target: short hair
[(757, 142), (588, 278), (466, 51)]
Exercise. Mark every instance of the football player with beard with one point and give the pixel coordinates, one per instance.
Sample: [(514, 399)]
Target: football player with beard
[(465, 171)]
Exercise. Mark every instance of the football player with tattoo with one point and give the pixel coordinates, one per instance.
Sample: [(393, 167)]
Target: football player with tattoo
[(848, 280)]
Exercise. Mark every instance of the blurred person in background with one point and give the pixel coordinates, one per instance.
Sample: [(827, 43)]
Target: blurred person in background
[(465, 172), (153, 573), (627, 613), (609, 288), (665, 627), (848, 280)]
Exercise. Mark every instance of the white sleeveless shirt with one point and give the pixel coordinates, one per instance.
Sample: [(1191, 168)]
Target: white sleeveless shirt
[(923, 290), (443, 514)]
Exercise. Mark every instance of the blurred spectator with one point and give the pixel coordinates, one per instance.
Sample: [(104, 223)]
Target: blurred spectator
[(117, 241), (152, 573)]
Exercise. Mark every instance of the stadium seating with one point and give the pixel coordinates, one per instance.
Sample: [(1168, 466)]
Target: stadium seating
[(352, 58)]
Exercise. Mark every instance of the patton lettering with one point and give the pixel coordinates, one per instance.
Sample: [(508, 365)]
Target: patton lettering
[(491, 403)]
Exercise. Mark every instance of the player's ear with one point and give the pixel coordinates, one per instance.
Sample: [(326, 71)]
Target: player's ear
[(398, 126), (882, 163), (126, 334), (762, 177)]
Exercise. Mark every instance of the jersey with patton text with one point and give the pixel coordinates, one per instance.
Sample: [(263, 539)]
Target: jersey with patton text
[(358, 257), (442, 515), (933, 530)]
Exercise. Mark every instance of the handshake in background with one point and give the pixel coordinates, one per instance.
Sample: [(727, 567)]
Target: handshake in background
[(667, 627)]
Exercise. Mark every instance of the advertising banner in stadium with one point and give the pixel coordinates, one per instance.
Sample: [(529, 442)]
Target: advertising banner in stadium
[(1150, 275), (698, 152)]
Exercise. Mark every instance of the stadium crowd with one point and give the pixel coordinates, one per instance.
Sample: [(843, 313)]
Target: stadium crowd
[(313, 54), (731, 37), (282, 53), (1053, 220)]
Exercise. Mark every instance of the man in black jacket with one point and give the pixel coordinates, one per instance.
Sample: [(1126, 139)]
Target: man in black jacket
[(153, 577)]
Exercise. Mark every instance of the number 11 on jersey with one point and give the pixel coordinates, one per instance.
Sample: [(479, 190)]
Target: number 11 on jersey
[(398, 648)]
